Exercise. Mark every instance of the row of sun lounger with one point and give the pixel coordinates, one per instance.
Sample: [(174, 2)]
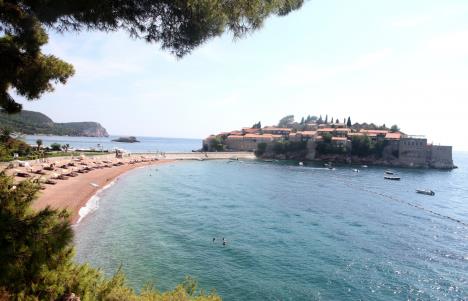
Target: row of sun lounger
[(73, 169)]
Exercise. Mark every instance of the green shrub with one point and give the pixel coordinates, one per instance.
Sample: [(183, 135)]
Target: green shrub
[(36, 255), (261, 148), (55, 147), (283, 147), (217, 144)]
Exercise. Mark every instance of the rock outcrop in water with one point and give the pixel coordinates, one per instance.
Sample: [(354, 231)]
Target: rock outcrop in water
[(31, 123), (130, 139)]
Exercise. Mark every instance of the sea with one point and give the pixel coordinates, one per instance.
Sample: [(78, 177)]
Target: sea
[(146, 144), (292, 232)]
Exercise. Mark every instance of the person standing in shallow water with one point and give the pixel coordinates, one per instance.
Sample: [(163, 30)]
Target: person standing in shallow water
[(214, 238)]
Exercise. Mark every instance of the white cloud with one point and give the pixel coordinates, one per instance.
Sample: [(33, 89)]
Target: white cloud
[(410, 21), (447, 45), (308, 73)]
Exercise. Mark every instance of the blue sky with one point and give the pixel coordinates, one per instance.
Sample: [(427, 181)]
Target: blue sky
[(402, 62)]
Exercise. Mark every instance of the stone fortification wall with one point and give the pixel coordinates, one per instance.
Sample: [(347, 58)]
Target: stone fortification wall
[(413, 152), (440, 156)]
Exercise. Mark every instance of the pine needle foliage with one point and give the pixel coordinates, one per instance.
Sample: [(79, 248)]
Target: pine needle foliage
[(36, 257)]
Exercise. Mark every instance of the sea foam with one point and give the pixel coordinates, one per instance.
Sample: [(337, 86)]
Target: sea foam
[(93, 203)]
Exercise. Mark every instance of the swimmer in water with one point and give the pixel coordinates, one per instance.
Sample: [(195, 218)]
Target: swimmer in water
[(224, 241), (214, 239)]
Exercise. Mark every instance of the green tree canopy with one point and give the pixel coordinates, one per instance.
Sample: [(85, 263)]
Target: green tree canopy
[(55, 146), (178, 26), (257, 125), (285, 121), (394, 128)]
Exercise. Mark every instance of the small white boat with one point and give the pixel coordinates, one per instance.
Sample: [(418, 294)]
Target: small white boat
[(389, 172), (394, 178), (364, 166), (301, 163), (425, 191), (355, 170)]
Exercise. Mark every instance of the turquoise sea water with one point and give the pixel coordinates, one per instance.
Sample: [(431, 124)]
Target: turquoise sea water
[(294, 233), (146, 144)]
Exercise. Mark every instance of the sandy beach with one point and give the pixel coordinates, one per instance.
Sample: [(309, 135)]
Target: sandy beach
[(74, 193), (70, 182)]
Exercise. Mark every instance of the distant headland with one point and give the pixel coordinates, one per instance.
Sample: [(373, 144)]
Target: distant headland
[(36, 123), (329, 140)]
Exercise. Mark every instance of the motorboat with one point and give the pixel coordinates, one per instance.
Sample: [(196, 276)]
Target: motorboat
[(392, 177), (389, 172), (425, 191), (301, 163), (355, 170)]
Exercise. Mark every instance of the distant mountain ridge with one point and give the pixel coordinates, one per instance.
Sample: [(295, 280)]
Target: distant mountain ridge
[(30, 123)]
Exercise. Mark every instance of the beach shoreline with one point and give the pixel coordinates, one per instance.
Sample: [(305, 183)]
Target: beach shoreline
[(71, 182), (75, 193)]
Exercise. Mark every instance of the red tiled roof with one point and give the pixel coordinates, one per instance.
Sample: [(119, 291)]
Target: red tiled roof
[(306, 133), (250, 130), (326, 130), (235, 137), (339, 139), (377, 132), (395, 136), (272, 128), (343, 130), (258, 136)]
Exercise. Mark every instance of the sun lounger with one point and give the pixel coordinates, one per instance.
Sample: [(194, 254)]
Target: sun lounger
[(23, 174)]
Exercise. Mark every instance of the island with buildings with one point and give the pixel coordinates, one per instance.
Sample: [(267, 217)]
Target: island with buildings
[(318, 139)]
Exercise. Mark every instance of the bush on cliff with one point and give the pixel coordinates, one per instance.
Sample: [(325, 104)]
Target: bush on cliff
[(261, 148), (36, 257), (284, 147), (217, 144), (362, 146)]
